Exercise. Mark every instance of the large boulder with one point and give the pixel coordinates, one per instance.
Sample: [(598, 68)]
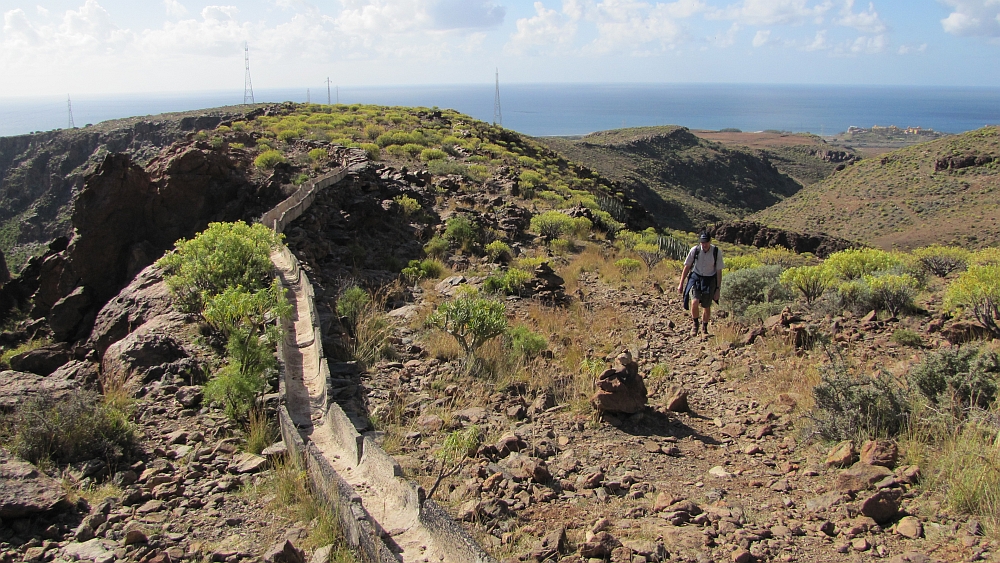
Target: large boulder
[(620, 388), (16, 387), (42, 361), (146, 297), (762, 236), (151, 346), (67, 314), (24, 490)]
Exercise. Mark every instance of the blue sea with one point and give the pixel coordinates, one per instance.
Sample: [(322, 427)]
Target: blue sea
[(576, 109)]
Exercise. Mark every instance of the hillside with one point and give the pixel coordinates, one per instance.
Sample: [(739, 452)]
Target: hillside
[(805, 157), (943, 191), (683, 180), (40, 173)]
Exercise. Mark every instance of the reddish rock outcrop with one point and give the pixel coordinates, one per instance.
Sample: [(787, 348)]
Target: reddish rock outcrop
[(620, 389)]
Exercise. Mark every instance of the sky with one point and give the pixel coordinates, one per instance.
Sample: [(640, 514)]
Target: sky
[(126, 46)]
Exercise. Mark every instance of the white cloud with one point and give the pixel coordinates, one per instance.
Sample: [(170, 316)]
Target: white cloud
[(762, 37), (819, 43), (547, 28), (726, 39), (466, 14), (907, 49), (774, 12), (973, 18), (865, 45), (175, 8), (867, 21)]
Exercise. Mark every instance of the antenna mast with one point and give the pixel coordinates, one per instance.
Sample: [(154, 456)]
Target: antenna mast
[(247, 83), (69, 107), (308, 99), (497, 114), (327, 90)]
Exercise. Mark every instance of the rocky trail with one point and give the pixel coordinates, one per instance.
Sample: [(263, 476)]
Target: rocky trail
[(707, 473)]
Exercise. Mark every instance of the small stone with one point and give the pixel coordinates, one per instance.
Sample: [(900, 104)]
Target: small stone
[(882, 506), (720, 473), (741, 556), (860, 544), (677, 399), (753, 449), (879, 452), (150, 506), (429, 423), (247, 463), (652, 447), (284, 552), (135, 536), (910, 527), (842, 455), (189, 397), (176, 437), (277, 449)]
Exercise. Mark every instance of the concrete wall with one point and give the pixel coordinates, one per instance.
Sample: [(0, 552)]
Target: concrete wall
[(380, 470)]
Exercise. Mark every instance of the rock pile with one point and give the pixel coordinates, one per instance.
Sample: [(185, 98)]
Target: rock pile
[(620, 389)]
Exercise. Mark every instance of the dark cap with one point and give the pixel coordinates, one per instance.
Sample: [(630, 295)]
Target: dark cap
[(704, 237)]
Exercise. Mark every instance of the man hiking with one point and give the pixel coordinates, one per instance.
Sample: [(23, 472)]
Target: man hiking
[(704, 264)]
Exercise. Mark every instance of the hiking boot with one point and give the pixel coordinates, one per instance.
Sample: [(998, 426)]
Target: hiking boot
[(704, 329), (694, 329)]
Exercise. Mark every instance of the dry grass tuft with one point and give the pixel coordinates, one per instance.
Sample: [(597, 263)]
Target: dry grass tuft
[(260, 431)]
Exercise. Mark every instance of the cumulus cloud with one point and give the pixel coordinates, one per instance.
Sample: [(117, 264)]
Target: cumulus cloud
[(867, 21), (464, 14), (761, 38), (547, 28), (619, 25), (973, 18), (774, 12), (819, 42), (909, 49), (175, 8)]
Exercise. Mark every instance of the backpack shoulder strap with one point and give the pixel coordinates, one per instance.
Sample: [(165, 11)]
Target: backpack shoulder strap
[(715, 253), (697, 251)]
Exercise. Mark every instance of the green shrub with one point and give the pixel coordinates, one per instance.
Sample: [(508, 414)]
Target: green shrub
[(628, 266), (742, 262), (351, 303), (78, 427), (235, 386), (963, 377), (432, 154), (498, 250), (856, 296), (853, 264), (319, 155), (408, 205), (300, 179), (462, 231), (907, 337), (986, 257), (780, 256), (447, 168), (372, 151), (977, 290), (811, 281), (471, 320), (942, 260), (269, 159), (223, 255), (412, 149), (525, 343), (530, 180), (855, 408), (478, 172), (427, 268), (553, 224), (892, 292), (436, 247), (752, 286), (510, 282), (288, 135)]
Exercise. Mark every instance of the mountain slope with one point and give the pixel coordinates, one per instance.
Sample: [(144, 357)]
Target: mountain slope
[(943, 191), (684, 181)]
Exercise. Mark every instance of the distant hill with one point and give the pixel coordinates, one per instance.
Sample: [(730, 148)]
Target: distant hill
[(946, 191), (683, 180), (805, 157)]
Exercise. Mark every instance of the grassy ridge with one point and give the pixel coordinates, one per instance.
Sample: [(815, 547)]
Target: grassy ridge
[(901, 199)]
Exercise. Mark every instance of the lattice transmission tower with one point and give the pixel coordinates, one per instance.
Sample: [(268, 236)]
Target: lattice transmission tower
[(69, 108), (247, 83), (497, 114)]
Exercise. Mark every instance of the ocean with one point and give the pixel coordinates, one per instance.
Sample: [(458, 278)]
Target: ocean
[(577, 109)]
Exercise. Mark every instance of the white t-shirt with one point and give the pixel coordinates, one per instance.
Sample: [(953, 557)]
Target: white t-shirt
[(707, 265)]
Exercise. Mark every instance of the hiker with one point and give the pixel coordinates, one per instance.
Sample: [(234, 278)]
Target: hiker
[(704, 264)]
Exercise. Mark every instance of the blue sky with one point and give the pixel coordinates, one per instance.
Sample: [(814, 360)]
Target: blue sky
[(118, 46)]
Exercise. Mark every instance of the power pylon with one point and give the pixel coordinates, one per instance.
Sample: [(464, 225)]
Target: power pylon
[(497, 114), (327, 90), (69, 107), (247, 83), (308, 97)]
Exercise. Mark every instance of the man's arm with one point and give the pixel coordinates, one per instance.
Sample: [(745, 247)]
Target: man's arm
[(684, 274)]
